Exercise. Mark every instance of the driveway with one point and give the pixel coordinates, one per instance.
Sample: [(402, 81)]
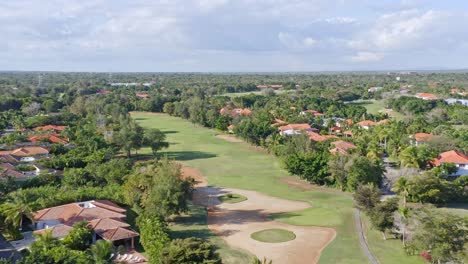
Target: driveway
[(7, 250), (23, 243)]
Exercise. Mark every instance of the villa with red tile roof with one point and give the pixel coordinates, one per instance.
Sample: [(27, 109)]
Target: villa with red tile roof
[(235, 112), (8, 170), (26, 154), (459, 159), (426, 96), (104, 217), (366, 124), (51, 137), (318, 138), (294, 129), (421, 138), (312, 112), (342, 147), (50, 127)]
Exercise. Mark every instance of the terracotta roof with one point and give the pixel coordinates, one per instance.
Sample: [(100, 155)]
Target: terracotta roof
[(8, 158), (50, 127), (349, 133), (7, 169), (58, 231), (52, 137), (384, 121), (426, 96), (235, 111), (451, 156), (63, 213), (101, 225), (106, 204), (142, 95), (366, 123), (317, 137), (25, 151), (342, 147), (303, 126), (423, 137), (118, 234)]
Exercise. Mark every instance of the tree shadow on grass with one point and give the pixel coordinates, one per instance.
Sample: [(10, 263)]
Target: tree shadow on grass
[(187, 155), (170, 132)]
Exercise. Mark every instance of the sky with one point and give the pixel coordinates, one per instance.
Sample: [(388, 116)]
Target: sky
[(233, 35)]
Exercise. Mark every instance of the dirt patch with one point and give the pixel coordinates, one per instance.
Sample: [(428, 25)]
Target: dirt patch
[(236, 222), (301, 185), (229, 138), (195, 174)]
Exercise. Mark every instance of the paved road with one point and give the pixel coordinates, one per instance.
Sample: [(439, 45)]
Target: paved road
[(362, 238), (6, 250)]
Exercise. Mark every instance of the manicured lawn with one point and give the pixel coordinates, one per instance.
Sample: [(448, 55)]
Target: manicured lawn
[(273, 235), (194, 224), (377, 106), (387, 251), (239, 165), (232, 198)]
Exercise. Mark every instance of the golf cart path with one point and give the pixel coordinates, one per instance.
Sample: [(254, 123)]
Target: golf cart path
[(236, 222)]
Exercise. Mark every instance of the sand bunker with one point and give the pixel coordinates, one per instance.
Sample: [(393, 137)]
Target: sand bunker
[(236, 222)]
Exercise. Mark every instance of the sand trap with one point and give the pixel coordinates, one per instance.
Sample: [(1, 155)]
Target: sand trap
[(229, 138), (236, 222)]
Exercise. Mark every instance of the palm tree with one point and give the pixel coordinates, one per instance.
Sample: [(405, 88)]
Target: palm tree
[(402, 187), (102, 252), (404, 212), (16, 208)]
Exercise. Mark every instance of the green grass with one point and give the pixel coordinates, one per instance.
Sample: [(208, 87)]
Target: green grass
[(273, 235), (232, 198), (387, 251), (194, 224), (376, 106), (239, 165)]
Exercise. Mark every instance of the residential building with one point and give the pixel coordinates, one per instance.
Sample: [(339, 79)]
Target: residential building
[(51, 128), (451, 101), (26, 154), (342, 147), (459, 159), (294, 129), (420, 138), (104, 217), (426, 96)]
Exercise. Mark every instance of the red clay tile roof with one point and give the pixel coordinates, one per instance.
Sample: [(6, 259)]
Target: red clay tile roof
[(423, 137), (366, 123), (6, 169), (118, 234), (58, 231), (317, 137), (25, 151), (101, 225), (451, 156), (50, 127), (52, 137), (384, 121), (303, 126), (235, 112), (426, 96), (342, 147), (106, 204), (63, 213)]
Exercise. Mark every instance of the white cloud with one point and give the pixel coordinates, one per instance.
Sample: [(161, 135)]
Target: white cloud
[(366, 56), (294, 42), (340, 20)]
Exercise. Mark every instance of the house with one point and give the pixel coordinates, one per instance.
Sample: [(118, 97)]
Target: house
[(8, 170), (261, 87), (457, 91), (26, 154), (342, 147), (452, 101), (294, 129), (348, 134), (235, 112), (374, 89), (142, 95), (426, 96), (51, 128), (366, 124), (311, 112), (276, 86), (104, 92), (51, 137), (318, 138), (104, 217), (421, 138), (459, 159)]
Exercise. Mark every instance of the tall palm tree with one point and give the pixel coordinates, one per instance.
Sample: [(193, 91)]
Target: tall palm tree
[(102, 252), (404, 212), (402, 188), (16, 208)]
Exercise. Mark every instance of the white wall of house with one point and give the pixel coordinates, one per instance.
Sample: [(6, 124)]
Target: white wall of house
[(45, 224)]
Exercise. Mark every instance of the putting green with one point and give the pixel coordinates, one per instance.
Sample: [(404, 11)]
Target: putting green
[(273, 235), (232, 198)]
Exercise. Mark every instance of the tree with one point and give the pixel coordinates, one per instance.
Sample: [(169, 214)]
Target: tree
[(402, 188), (16, 208), (190, 251), (381, 215), (443, 236), (363, 171), (130, 135), (156, 139), (338, 166), (101, 252), (153, 236), (80, 237), (366, 197), (264, 261), (158, 188)]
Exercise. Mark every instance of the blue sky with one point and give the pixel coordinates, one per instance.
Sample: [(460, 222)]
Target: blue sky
[(233, 35)]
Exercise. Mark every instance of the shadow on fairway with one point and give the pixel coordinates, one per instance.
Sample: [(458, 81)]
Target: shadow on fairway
[(170, 132), (188, 155)]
